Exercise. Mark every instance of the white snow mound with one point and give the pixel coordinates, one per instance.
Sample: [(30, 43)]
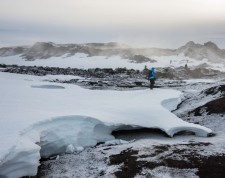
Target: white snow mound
[(37, 122)]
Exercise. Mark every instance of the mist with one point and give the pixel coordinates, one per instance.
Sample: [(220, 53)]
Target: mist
[(152, 23)]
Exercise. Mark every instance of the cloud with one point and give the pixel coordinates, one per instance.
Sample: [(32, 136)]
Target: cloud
[(98, 13), (106, 20)]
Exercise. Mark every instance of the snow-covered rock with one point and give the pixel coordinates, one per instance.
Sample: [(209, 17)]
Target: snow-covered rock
[(208, 50), (70, 149), (114, 142)]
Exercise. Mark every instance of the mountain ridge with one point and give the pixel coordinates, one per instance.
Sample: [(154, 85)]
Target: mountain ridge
[(45, 50)]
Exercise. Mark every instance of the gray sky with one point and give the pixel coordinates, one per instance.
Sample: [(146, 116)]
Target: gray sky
[(164, 23)]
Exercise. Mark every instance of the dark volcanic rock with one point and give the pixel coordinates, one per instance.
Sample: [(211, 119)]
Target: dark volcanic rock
[(141, 58), (216, 106), (214, 99), (94, 78), (180, 156), (108, 78), (214, 90)]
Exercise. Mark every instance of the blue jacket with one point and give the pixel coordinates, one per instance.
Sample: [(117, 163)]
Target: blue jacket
[(152, 75)]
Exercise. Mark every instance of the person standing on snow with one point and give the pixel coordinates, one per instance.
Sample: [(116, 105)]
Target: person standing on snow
[(152, 78)]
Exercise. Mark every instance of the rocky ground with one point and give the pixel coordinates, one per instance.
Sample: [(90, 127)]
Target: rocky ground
[(119, 78), (147, 152)]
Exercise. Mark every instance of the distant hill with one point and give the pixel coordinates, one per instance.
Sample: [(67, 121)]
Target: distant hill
[(45, 50), (209, 51)]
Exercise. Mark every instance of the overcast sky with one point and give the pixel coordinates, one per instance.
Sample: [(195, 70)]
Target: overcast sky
[(164, 23)]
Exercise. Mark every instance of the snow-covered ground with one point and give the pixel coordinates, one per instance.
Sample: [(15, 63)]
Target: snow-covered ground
[(152, 154), (39, 118), (82, 61), (98, 162)]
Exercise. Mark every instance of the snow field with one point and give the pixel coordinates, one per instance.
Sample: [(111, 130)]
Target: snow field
[(82, 61), (40, 122)]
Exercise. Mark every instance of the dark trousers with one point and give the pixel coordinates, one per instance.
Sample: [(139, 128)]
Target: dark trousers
[(152, 82)]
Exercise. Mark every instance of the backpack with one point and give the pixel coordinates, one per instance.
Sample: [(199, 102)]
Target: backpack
[(148, 73)]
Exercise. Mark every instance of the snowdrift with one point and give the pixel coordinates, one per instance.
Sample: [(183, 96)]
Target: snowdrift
[(40, 122)]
